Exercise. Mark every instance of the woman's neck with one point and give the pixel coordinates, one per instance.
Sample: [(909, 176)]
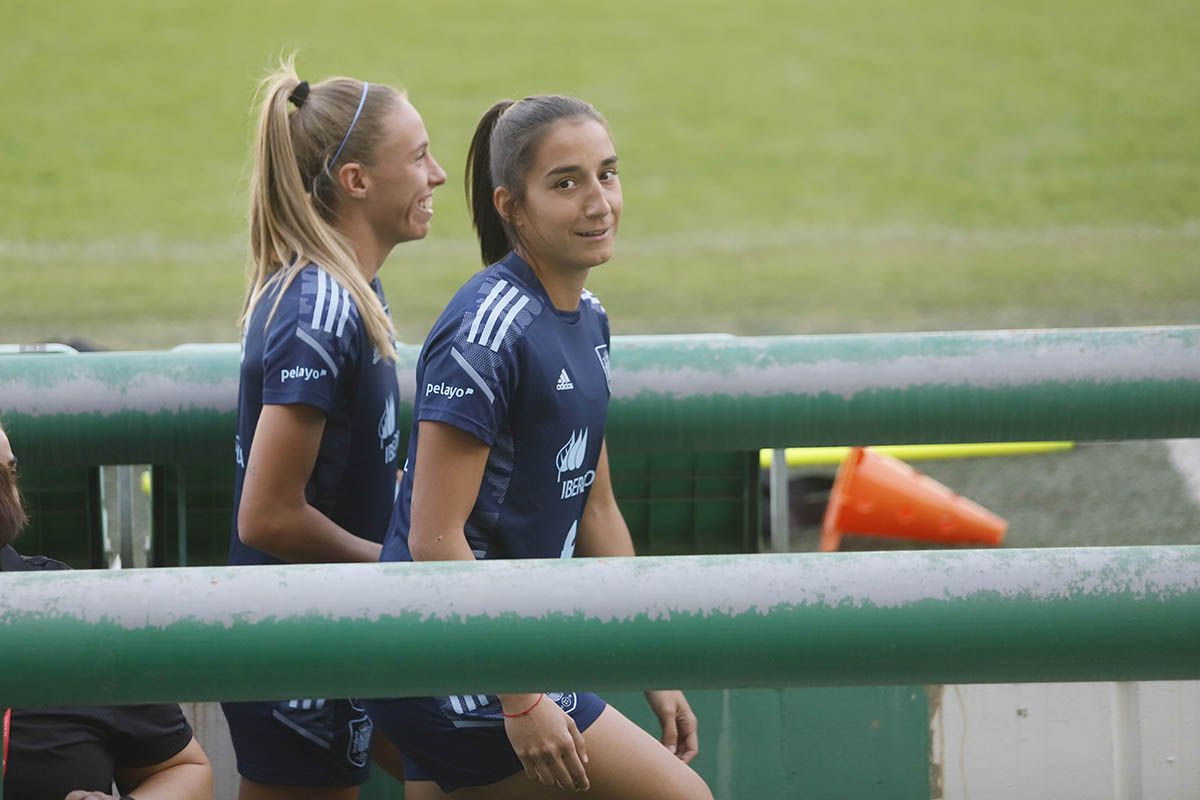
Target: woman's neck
[(369, 252), (563, 287)]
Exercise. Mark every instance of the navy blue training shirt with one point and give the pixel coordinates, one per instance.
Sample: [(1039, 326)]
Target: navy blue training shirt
[(315, 351), (532, 382)]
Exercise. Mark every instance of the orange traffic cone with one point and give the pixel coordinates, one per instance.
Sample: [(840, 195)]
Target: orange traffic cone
[(878, 495)]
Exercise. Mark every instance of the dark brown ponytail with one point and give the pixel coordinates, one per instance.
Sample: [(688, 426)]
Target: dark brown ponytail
[(489, 226)]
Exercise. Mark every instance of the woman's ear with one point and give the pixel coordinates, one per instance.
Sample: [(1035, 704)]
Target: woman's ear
[(352, 180), (502, 199)]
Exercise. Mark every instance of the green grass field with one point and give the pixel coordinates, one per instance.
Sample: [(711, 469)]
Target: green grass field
[(788, 167)]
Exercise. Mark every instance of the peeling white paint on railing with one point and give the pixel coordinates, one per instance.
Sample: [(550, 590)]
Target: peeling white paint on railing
[(599, 590)]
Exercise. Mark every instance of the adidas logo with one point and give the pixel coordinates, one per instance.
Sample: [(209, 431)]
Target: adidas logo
[(564, 381)]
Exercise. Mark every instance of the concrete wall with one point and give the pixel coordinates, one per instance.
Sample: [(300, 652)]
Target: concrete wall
[(1094, 741), (208, 723)]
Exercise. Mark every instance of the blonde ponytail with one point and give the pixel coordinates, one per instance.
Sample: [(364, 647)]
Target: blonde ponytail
[(292, 189)]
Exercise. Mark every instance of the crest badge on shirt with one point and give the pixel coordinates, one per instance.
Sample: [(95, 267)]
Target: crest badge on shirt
[(358, 749), (570, 459), (602, 354), (565, 700)]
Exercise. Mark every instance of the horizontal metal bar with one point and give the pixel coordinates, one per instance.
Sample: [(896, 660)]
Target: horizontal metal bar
[(121, 408), (681, 393), (985, 386), (832, 456), (377, 630)]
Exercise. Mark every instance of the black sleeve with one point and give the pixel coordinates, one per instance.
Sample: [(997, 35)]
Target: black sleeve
[(148, 735), (12, 561)]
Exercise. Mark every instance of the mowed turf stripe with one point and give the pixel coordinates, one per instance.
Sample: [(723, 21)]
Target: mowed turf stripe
[(155, 248)]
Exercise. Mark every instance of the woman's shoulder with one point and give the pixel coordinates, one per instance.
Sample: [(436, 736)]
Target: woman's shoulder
[(493, 309), (313, 299), (590, 300), (323, 290)]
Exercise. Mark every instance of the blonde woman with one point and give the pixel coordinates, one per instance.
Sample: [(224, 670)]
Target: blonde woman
[(342, 174)]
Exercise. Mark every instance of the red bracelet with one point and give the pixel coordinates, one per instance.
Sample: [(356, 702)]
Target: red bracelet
[(526, 711)]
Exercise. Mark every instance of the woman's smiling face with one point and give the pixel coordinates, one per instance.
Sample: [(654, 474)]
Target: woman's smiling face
[(403, 176), (568, 217)]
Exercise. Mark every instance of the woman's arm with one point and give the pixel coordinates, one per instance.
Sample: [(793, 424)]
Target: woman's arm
[(185, 776), (603, 532), (274, 516), (449, 471)]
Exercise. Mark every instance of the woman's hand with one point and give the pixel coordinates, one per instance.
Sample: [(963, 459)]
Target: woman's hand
[(84, 794), (546, 740), (678, 723)]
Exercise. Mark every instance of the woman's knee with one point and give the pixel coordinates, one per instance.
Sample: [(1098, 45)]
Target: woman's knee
[(252, 790), (423, 790), (697, 788), (625, 761)]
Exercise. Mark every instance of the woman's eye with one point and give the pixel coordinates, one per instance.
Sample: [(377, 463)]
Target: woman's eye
[(608, 174), (565, 183)]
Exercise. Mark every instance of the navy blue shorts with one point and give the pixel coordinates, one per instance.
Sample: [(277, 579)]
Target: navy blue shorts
[(460, 740), (314, 742)]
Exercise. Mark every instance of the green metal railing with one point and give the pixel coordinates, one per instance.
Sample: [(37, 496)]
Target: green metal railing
[(724, 621), (920, 617), (709, 393)]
